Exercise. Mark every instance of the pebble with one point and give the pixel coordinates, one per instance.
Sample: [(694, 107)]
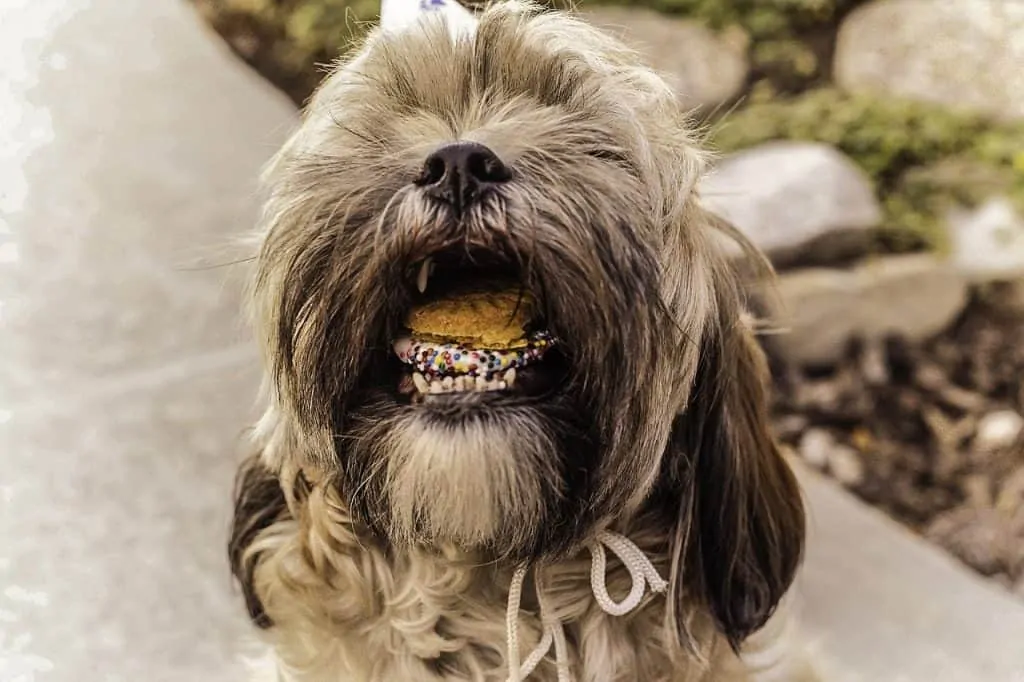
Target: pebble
[(845, 465), (815, 446), (998, 430)]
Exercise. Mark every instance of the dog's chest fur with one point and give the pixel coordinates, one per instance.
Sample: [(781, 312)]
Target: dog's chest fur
[(344, 609)]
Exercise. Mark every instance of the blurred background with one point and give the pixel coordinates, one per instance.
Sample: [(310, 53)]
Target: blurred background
[(873, 148)]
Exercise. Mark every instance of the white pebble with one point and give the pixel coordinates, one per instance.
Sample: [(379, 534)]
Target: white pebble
[(846, 465), (815, 446), (998, 430)]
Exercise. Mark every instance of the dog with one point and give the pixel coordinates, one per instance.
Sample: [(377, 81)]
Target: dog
[(615, 509)]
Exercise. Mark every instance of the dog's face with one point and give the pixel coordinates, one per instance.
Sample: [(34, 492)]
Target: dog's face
[(538, 157)]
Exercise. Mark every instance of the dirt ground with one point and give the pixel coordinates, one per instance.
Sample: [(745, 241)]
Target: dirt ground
[(930, 433)]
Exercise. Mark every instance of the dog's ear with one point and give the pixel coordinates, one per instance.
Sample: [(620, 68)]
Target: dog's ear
[(740, 527), (259, 502)]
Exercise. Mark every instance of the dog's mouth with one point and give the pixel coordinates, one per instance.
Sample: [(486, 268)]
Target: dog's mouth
[(473, 329)]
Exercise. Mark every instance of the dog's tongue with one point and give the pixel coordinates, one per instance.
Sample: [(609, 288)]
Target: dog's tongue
[(476, 333)]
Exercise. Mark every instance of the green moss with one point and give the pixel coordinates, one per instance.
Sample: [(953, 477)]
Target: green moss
[(921, 157)]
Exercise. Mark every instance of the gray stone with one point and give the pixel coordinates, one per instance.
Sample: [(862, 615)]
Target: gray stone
[(988, 242), (704, 68), (132, 140), (799, 202), (821, 309), (881, 604), (961, 53), (998, 430)]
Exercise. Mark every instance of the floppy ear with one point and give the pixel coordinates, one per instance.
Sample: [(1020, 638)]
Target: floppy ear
[(739, 532), (259, 502)]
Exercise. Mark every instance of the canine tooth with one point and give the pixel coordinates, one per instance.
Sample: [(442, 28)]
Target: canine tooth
[(510, 377), (421, 382), (424, 275), (502, 385)]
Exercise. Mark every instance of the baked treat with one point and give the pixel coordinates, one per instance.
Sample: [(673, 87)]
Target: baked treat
[(476, 334), (493, 320)]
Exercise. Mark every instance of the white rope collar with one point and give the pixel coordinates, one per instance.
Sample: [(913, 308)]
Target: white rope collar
[(642, 573)]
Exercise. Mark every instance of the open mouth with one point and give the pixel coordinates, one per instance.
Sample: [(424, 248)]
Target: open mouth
[(473, 328)]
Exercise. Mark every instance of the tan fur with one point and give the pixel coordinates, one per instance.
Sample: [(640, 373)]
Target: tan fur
[(345, 610), (376, 546)]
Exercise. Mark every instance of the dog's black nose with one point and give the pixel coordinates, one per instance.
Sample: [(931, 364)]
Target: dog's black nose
[(460, 172)]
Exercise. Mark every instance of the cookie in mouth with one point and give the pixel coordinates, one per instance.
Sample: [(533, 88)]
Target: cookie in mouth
[(477, 333)]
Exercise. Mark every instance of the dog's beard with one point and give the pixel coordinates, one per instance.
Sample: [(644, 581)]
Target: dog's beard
[(519, 472)]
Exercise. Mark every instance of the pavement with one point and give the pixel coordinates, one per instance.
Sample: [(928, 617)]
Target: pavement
[(130, 140)]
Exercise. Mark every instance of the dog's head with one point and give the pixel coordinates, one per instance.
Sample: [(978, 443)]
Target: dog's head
[(536, 156)]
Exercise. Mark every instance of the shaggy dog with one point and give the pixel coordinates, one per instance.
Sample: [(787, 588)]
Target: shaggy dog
[(395, 529)]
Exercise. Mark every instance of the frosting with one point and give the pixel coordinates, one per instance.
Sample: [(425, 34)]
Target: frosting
[(450, 359)]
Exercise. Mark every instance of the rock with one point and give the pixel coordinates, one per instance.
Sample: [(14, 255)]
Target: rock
[(977, 489), (988, 243), (914, 296), (998, 430), (705, 69), (846, 466), (800, 202), (815, 446), (789, 427), (962, 53), (982, 538)]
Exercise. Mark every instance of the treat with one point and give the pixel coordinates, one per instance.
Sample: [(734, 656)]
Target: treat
[(477, 319), (451, 359), (476, 334)]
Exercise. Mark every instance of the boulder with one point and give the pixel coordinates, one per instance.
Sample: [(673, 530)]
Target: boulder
[(800, 202), (705, 69), (821, 309), (962, 53)]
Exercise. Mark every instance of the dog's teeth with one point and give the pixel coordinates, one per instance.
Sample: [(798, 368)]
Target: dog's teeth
[(510, 377), (436, 387), (460, 383), (421, 382), (481, 384), (424, 275), (449, 383)]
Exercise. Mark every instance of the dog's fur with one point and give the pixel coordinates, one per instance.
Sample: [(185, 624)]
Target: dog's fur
[(375, 541)]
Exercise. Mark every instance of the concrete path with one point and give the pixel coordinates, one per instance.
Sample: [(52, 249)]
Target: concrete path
[(883, 605), (129, 142)]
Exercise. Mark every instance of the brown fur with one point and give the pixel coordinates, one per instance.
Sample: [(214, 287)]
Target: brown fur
[(375, 541)]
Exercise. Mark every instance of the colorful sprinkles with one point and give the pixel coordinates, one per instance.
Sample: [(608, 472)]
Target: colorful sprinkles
[(434, 360)]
